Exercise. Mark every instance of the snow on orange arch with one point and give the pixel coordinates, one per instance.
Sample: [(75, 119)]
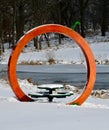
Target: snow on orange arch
[(55, 28)]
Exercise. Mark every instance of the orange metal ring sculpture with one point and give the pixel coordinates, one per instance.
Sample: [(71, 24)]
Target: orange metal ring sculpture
[(91, 66)]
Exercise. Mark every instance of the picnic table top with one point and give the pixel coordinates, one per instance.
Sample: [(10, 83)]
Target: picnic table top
[(50, 86)]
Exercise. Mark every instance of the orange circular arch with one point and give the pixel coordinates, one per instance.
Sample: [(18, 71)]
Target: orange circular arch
[(56, 28)]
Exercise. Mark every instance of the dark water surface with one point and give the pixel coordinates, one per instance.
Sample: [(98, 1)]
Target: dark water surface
[(74, 75)]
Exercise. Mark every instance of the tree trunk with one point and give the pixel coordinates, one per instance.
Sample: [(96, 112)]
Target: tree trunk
[(59, 18), (103, 29), (1, 35), (20, 20), (47, 40), (104, 18), (14, 24), (82, 25), (36, 43), (35, 9)]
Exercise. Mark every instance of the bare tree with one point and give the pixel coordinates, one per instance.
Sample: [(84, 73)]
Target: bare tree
[(104, 7)]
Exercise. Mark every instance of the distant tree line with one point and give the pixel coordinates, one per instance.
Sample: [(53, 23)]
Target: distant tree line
[(19, 16)]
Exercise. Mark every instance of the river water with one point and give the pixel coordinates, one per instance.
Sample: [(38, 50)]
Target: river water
[(69, 74)]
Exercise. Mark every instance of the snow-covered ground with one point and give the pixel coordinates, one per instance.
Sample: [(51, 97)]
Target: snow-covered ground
[(92, 115), (15, 115)]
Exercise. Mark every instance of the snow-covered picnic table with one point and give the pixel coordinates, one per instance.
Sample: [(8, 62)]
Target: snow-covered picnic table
[(49, 92)]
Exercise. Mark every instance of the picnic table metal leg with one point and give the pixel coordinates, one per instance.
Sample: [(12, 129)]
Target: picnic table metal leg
[(50, 99), (50, 91)]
